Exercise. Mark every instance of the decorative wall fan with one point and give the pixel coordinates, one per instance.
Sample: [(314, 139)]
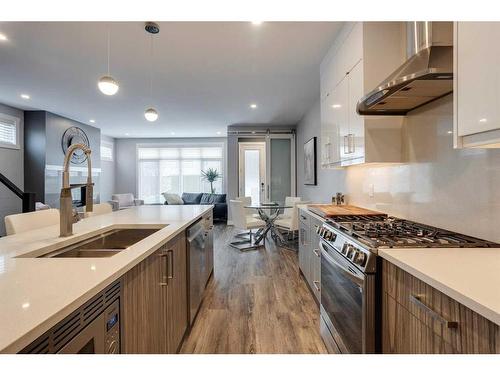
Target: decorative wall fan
[(71, 136)]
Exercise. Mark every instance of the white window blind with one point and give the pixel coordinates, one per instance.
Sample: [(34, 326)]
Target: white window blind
[(177, 169), (9, 128), (106, 151)]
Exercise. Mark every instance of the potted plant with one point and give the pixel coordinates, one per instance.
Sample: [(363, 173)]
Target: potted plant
[(211, 175)]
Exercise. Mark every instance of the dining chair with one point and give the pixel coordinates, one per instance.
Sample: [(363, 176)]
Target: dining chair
[(289, 220), (19, 223), (244, 222)]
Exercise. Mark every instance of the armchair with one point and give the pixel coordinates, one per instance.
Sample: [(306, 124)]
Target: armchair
[(121, 201)]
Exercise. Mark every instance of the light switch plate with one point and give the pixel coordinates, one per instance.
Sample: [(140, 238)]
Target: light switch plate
[(371, 190)]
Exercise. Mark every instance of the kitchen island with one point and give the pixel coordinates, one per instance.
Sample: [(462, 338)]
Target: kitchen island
[(38, 292)]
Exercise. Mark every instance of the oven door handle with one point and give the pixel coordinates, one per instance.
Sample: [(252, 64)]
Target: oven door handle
[(359, 281)]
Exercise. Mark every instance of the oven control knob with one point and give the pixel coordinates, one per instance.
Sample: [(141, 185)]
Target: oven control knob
[(359, 258), (344, 249), (351, 251)]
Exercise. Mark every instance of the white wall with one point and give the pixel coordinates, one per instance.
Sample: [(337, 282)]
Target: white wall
[(12, 167), (126, 159), (452, 189)]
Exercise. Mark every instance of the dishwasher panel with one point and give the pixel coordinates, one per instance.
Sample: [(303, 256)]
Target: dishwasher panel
[(196, 246)]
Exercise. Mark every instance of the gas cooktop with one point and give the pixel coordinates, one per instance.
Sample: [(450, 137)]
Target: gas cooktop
[(382, 231)]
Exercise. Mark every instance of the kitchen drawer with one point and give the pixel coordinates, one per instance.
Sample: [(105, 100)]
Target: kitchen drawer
[(304, 217), (403, 333), (463, 329)]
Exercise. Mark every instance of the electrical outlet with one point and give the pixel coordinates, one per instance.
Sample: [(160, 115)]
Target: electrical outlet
[(371, 190)]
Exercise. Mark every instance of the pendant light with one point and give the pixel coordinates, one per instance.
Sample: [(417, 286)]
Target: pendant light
[(150, 113), (108, 84)]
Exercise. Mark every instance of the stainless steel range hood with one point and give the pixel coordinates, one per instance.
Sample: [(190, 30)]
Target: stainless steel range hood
[(427, 74)]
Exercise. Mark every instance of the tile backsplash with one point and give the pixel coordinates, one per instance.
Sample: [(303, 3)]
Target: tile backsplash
[(457, 190)]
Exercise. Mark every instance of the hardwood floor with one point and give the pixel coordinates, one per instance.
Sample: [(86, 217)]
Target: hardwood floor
[(256, 302)]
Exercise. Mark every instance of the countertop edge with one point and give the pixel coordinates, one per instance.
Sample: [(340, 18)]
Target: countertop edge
[(40, 329), (477, 307)]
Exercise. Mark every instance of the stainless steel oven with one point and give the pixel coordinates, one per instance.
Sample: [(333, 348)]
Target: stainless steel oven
[(347, 302)]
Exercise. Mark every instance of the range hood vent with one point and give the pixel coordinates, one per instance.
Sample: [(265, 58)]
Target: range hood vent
[(426, 75)]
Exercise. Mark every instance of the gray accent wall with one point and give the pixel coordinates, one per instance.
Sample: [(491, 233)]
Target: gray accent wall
[(43, 134), (126, 159), (11, 166)]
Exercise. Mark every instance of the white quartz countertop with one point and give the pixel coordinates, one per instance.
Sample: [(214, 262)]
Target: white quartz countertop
[(470, 276), (36, 293)]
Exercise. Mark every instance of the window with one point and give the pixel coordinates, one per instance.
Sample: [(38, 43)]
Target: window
[(9, 131), (177, 169), (106, 150)]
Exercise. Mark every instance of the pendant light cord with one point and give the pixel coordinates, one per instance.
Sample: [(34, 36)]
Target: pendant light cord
[(108, 46), (151, 70)]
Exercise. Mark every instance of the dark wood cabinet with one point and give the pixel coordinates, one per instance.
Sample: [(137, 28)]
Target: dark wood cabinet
[(418, 318), (154, 307)]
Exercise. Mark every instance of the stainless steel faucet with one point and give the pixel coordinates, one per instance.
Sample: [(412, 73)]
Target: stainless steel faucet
[(67, 215)]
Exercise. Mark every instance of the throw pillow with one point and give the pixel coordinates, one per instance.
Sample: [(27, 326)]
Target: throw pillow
[(174, 199)]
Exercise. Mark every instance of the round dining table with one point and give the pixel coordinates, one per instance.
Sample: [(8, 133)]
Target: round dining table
[(268, 212)]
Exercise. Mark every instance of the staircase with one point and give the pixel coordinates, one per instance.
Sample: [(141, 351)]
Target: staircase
[(27, 198)]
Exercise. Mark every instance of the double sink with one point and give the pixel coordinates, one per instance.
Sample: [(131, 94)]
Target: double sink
[(103, 245)]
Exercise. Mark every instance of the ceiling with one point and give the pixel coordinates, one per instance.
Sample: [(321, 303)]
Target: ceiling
[(205, 74)]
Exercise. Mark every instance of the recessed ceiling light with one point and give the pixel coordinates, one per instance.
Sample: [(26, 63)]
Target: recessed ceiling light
[(172, 133), (25, 305), (253, 105), (483, 120), (336, 105), (127, 134), (25, 96), (256, 23), (219, 133), (3, 37), (450, 132), (92, 121)]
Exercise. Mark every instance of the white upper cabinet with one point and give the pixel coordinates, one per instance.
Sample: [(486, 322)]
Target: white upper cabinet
[(361, 56), (477, 84)]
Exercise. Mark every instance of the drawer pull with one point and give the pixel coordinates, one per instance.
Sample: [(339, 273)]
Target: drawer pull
[(416, 300), (164, 277), (316, 285), (316, 252)]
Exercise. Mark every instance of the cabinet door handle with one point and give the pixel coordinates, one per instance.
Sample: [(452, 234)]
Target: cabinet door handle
[(170, 269), (316, 252), (346, 151), (417, 301), (316, 285), (164, 279)]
